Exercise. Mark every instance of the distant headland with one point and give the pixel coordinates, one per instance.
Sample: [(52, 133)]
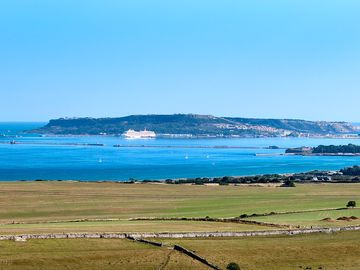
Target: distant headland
[(194, 125)]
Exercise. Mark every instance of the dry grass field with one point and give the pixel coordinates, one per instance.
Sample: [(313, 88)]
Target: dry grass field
[(89, 254), (328, 218), (44, 201), (129, 226), (35, 204), (317, 251), (339, 251)]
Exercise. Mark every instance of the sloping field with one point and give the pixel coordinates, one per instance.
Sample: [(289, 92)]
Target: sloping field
[(89, 254), (330, 218), (129, 227), (316, 251), (35, 204), (44, 201), (339, 251)]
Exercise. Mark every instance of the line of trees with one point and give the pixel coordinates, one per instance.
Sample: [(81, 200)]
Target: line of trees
[(267, 178), (333, 149), (354, 171), (346, 175)]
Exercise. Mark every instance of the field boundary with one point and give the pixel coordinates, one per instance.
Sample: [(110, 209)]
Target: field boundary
[(209, 219), (24, 237), (178, 248), (297, 212), (206, 219), (193, 255), (245, 220)]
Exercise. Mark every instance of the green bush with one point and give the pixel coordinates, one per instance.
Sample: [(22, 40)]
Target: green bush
[(351, 204), (288, 183), (232, 266)]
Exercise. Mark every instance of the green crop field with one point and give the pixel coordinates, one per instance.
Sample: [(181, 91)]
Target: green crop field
[(34, 201), (29, 202), (320, 218)]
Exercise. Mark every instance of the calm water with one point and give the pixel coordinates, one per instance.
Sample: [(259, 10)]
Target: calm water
[(50, 157)]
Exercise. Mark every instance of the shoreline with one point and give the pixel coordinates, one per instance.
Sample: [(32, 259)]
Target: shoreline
[(323, 154), (164, 180), (187, 136)]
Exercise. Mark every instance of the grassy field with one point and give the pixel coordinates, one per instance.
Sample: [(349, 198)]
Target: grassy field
[(81, 254), (319, 251), (129, 226), (33, 201), (60, 202), (318, 219)]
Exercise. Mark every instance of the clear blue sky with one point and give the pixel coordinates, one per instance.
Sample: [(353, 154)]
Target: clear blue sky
[(280, 59)]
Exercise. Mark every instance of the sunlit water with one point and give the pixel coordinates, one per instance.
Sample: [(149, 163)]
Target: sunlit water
[(42, 158)]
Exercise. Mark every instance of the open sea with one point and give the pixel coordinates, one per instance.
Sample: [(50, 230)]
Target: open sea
[(72, 158)]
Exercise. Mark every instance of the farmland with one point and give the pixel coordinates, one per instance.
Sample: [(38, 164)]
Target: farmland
[(318, 251), (45, 201), (74, 207), (55, 254)]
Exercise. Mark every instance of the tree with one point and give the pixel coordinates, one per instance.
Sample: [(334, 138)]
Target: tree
[(288, 183), (232, 266), (355, 170), (351, 204)]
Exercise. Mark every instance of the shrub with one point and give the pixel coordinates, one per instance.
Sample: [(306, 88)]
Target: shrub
[(288, 183), (232, 266), (351, 204)]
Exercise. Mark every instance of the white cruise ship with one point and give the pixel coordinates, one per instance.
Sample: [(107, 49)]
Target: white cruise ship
[(132, 134)]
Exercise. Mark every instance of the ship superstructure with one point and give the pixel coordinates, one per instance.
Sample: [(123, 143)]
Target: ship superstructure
[(132, 134)]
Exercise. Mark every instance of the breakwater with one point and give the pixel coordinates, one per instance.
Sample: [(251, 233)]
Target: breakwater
[(14, 142), (51, 144)]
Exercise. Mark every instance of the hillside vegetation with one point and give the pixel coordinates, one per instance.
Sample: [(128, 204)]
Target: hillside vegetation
[(326, 149), (196, 125)]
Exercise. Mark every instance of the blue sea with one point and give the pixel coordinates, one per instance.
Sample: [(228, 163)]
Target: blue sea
[(70, 158)]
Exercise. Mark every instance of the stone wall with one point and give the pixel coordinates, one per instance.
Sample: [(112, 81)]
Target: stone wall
[(178, 235), (209, 219), (196, 257)]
